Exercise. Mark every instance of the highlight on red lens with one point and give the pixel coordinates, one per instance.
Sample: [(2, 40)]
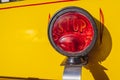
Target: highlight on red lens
[(72, 32)]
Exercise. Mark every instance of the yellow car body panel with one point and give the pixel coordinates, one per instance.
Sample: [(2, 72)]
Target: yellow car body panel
[(25, 50)]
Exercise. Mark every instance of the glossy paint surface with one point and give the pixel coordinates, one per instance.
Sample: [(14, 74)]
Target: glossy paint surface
[(25, 50)]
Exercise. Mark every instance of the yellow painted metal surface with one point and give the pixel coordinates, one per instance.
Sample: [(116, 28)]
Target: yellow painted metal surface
[(25, 50)]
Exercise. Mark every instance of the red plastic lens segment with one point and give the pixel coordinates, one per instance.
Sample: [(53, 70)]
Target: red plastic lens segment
[(72, 32)]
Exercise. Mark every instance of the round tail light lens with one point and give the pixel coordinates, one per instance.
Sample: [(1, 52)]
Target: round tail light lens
[(72, 31)]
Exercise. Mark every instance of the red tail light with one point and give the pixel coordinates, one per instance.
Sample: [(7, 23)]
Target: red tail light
[(72, 31)]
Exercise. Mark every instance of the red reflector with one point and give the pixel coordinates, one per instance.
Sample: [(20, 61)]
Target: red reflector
[(72, 32)]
